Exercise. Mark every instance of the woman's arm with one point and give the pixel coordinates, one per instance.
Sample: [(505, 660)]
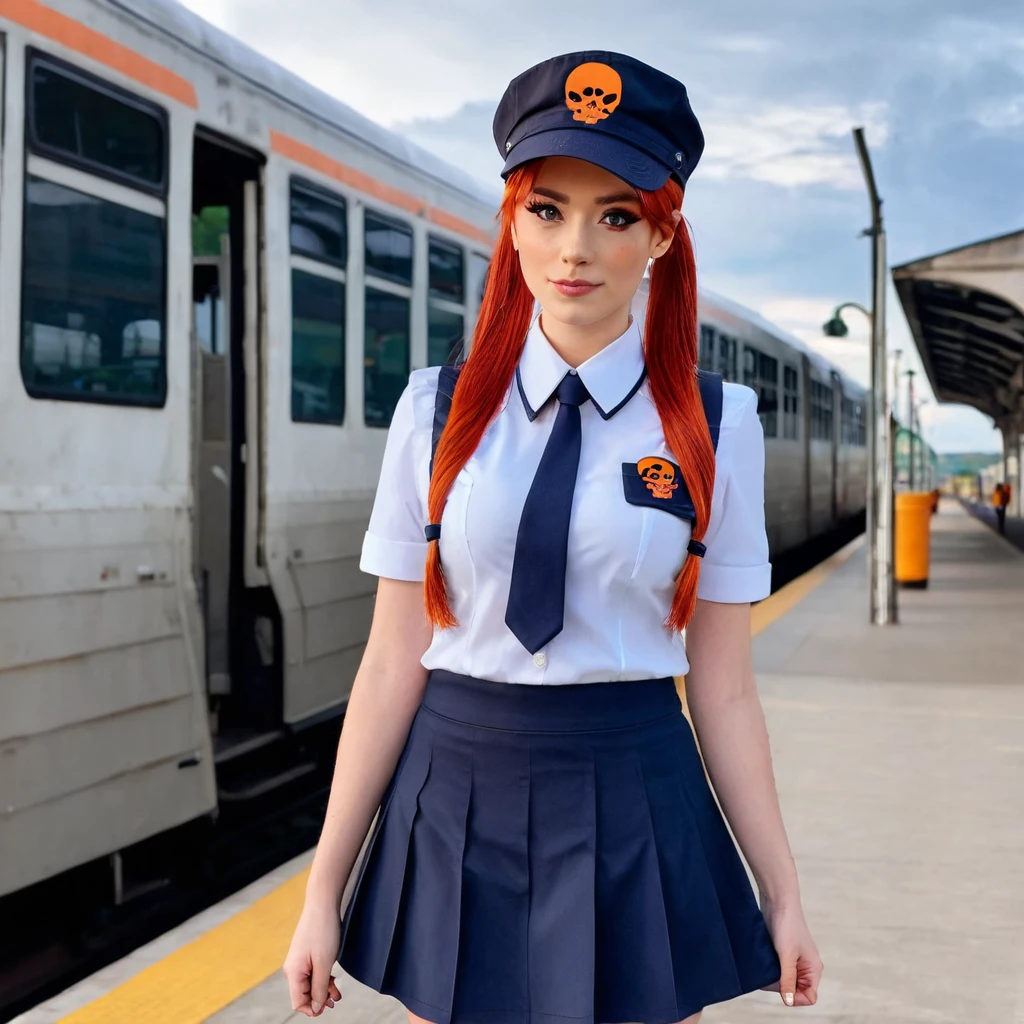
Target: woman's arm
[(385, 695), (729, 723)]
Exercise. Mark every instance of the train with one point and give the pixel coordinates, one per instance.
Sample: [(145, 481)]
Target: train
[(214, 283)]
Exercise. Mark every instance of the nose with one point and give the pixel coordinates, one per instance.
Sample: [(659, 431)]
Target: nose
[(577, 244)]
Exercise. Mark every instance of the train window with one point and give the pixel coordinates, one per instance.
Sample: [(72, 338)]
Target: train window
[(750, 367), (854, 425), (477, 277), (727, 357), (388, 248), (706, 355), (386, 354), (86, 122), (446, 305), (445, 332), (791, 403), (821, 411), (92, 298), (761, 372), (318, 224), (447, 271), (318, 348)]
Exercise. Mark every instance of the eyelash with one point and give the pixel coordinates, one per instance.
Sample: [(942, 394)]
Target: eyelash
[(627, 217)]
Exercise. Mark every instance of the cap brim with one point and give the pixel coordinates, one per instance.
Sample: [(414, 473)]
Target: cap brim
[(627, 162)]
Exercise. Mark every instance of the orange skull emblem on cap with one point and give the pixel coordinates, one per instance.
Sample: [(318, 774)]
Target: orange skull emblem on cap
[(592, 92)]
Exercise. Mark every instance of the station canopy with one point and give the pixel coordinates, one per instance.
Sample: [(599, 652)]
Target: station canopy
[(965, 308)]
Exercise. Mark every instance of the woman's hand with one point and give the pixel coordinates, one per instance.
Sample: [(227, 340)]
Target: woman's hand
[(310, 959), (801, 964)]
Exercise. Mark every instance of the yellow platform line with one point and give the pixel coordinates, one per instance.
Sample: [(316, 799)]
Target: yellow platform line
[(763, 614), (206, 975), (772, 608), (209, 973)]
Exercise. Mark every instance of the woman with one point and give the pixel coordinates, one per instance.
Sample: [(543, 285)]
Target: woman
[(548, 848)]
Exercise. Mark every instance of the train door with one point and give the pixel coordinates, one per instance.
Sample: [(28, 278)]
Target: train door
[(242, 683)]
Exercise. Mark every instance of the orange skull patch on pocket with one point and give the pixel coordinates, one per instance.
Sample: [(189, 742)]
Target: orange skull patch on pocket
[(656, 482)]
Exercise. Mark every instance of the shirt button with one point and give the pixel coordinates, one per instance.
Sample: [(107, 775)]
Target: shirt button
[(540, 659)]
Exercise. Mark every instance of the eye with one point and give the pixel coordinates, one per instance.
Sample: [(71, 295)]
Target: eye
[(620, 218), (545, 211)]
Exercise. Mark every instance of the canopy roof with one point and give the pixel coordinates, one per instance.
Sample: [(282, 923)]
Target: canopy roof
[(965, 308)]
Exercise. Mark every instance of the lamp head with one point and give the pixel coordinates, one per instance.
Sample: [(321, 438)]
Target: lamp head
[(835, 328)]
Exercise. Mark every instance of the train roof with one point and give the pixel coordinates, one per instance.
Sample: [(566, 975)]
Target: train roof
[(755, 319), (211, 43)]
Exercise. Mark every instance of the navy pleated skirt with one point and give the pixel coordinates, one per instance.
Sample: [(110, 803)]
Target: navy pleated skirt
[(553, 855)]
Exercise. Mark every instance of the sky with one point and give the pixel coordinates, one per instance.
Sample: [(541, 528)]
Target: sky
[(777, 204)]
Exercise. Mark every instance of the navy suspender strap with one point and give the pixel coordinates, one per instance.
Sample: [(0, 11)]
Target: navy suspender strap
[(710, 395), (442, 405)]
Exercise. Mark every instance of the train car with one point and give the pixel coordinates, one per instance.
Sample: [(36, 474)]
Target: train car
[(214, 282), (814, 419)]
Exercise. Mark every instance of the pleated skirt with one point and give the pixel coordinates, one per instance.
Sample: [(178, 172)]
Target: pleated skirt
[(553, 855)]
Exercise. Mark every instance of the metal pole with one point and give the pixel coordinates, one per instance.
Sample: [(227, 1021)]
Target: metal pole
[(882, 587), (912, 414)]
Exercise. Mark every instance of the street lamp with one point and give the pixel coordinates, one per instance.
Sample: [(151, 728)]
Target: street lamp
[(882, 583), (836, 327)]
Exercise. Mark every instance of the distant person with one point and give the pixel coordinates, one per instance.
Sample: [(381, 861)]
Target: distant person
[(936, 495), (1000, 499)]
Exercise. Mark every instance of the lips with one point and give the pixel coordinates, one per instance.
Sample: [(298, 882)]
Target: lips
[(575, 287)]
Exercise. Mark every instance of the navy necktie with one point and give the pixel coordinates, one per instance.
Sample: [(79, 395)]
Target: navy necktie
[(536, 597)]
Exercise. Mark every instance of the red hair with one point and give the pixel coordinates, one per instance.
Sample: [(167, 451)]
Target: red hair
[(670, 352)]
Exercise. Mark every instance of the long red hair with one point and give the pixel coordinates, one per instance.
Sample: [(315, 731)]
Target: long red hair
[(670, 352)]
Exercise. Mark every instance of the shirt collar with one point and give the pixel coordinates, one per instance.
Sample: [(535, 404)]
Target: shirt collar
[(611, 376)]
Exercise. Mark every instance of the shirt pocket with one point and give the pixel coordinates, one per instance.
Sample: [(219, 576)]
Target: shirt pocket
[(655, 485)]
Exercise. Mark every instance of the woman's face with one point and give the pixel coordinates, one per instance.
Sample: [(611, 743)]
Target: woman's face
[(583, 242)]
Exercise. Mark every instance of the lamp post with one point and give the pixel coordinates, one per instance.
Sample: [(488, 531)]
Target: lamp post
[(911, 415), (881, 580)]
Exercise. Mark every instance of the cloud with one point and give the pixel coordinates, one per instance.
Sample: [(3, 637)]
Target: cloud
[(778, 203), (791, 145)]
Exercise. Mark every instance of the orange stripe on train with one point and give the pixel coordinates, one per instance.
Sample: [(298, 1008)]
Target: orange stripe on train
[(75, 36), (291, 148)]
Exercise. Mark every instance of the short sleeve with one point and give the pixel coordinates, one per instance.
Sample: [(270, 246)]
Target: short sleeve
[(394, 545), (736, 568)]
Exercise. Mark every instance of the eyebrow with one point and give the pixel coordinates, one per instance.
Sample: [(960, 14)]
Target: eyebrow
[(617, 197)]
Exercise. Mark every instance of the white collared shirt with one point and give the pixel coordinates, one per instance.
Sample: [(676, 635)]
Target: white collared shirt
[(622, 558)]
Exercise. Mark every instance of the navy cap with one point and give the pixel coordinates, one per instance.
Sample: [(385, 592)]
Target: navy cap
[(607, 108)]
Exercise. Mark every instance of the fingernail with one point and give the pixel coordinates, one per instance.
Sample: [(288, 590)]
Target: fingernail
[(315, 1007), (789, 998)]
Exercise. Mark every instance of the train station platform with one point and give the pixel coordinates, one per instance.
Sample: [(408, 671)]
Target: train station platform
[(899, 757)]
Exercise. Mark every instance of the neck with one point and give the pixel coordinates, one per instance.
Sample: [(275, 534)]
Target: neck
[(576, 343)]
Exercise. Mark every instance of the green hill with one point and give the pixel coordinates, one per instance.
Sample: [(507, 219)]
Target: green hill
[(952, 463)]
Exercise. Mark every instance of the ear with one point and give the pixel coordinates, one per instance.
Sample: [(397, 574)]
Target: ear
[(662, 246)]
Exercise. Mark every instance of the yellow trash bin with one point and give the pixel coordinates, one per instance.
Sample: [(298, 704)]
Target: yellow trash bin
[(913, 537)]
